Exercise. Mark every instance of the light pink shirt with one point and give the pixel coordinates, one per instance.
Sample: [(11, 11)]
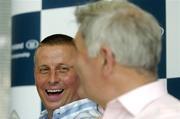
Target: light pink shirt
[(150, 101)]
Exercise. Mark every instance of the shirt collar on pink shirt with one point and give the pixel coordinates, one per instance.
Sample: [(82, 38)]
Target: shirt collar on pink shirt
[(135, 100)]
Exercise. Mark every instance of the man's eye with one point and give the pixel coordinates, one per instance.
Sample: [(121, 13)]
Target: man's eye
[(44, 71), (63, 69)]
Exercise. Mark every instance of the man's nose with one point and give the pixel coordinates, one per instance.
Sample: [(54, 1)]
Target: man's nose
[(54, 78)]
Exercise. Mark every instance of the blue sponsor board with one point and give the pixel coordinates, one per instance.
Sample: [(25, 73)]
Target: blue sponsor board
[(25, 38), (174, 87), (157, 9), (47, 4)]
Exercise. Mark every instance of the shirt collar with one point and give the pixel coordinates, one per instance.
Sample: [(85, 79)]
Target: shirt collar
[(70, 105), (44, 114), (135, 100)]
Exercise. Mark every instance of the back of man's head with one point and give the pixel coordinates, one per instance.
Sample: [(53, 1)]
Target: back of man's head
[(131, 33)]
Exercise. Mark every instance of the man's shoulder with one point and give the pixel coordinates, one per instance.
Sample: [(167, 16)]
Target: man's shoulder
[(77, 105), (73, 109)]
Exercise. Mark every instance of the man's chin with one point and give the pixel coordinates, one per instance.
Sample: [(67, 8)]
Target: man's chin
[(52, 107)]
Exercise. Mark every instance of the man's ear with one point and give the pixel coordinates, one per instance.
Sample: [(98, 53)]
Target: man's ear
[(108, 59)]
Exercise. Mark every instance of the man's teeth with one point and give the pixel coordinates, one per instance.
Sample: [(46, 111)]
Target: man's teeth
[(54, 91), (57, 91)]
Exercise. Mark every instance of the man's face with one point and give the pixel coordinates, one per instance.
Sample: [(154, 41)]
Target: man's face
[(55, 76), (87, 69)]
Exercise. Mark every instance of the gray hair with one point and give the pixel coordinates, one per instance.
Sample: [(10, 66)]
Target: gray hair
[(133, 34)]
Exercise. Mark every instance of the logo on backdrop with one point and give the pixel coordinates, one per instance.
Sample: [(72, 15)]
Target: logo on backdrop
[(22, 49), (32, 44)]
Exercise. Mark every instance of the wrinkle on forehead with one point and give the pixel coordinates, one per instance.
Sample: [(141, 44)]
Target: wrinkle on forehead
[(58, 54)]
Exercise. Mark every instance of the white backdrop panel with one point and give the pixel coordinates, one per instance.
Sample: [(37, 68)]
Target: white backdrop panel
[(26, 103), (61, 20), (173, 38)]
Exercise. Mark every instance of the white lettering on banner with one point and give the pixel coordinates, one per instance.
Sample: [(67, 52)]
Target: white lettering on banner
[(21, 55), (30, 45), (18, 46)]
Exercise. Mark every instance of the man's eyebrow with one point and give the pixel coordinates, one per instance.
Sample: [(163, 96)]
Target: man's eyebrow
[(63, 64), (42, 66)]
